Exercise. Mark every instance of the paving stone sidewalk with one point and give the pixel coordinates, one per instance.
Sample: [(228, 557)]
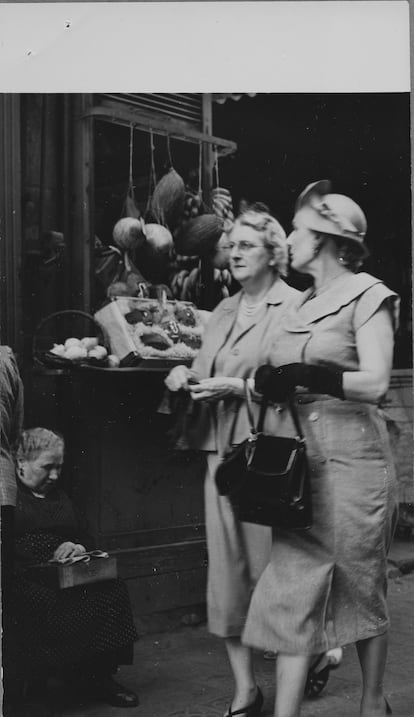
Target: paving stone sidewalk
[(184, 672)]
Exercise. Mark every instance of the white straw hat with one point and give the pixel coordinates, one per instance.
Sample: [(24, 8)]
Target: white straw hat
[(333, 214)]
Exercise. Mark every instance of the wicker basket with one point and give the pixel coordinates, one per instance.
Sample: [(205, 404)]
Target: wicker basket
[(55, 329)]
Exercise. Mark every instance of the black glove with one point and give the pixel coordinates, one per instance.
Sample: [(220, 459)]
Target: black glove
[(278, 383)]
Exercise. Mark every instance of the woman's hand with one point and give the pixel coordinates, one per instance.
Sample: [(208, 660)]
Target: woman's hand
[(214, 389), (179, 378), (68, 550)]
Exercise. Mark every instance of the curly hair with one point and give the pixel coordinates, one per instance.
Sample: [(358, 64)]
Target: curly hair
[(348, 252), (34, 441), (272, 233)]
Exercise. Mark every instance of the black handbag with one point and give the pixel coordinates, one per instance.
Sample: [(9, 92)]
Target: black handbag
[(267, 477)]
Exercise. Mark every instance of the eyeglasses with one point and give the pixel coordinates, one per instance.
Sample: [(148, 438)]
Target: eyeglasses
[(244, 246)]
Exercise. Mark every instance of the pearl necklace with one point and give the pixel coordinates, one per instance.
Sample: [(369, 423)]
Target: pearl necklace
[(251, 309)]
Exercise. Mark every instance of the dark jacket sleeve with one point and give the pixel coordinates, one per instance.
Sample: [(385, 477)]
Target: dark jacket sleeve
[(11, 422)]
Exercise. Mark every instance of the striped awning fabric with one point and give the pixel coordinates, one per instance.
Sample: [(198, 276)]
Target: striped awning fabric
[(221, 97), (182, 106)]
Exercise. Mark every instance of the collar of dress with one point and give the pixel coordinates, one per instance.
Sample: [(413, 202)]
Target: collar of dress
[(278, 292), (341, 292)]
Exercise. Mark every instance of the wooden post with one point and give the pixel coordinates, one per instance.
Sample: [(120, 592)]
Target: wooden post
[(80, 240), (66, 183), (10, 222), (207, 270)]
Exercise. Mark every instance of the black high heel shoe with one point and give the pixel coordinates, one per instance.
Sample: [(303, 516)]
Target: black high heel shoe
[(316, 679), (388, 710), (252, 710)]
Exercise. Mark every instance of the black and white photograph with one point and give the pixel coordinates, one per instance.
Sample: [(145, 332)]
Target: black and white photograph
[(206, 404)]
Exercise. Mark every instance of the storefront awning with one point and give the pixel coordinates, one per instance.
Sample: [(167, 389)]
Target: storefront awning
[(130, 110), (221, 97)]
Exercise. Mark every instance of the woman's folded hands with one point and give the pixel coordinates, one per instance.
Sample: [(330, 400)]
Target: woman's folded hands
[(205, 389), (277, 383), (218, 387), (68, 550), (180, 378)]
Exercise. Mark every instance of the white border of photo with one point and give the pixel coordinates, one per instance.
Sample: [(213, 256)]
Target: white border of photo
[(325, 46)]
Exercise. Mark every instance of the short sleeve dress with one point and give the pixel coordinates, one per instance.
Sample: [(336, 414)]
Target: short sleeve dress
[(326, 587)]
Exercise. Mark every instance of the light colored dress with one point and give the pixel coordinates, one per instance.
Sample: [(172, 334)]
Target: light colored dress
[(237, 552), (326, 587)]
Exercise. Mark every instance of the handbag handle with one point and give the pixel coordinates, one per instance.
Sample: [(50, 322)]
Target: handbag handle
[(263, 408), (249, 407), (295, 416)]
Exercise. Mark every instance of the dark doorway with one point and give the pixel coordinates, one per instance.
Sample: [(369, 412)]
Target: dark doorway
[(359, 141)]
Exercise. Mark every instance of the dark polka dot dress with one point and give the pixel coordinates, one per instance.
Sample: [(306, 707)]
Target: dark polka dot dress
[(52, 629)]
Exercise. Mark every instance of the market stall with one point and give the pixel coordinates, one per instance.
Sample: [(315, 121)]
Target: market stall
[(121, 199), (156, 266)]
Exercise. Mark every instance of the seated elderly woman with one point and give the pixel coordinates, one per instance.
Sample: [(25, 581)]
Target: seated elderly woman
[(81, 633)]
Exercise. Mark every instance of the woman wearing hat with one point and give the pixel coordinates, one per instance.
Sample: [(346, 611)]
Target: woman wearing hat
[(326, 587), (236, 341)]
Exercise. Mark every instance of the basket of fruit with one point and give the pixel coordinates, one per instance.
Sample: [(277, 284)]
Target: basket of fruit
[(148, 329), (69, 338)]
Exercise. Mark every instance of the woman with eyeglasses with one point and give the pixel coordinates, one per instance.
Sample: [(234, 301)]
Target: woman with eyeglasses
[(237, 339), (333, 351)]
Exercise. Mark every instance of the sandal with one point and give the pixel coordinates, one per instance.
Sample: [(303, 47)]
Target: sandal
[(252, 710), (316, 680)]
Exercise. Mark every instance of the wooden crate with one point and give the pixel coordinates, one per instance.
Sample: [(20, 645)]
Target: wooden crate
[(81, 573)]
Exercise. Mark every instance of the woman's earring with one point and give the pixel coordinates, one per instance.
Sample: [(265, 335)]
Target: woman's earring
[(341, 259)]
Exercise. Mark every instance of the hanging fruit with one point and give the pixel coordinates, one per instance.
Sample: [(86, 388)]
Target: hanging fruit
[(222, 280), (222, 203), (177, 282), (159, 238), (154, 257), (221, 256), (130, 207), (128, 233), (193, 205), (199, 236), (167, 200)]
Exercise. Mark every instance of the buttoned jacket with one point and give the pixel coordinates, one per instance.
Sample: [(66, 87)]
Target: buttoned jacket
[(215, 427)]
